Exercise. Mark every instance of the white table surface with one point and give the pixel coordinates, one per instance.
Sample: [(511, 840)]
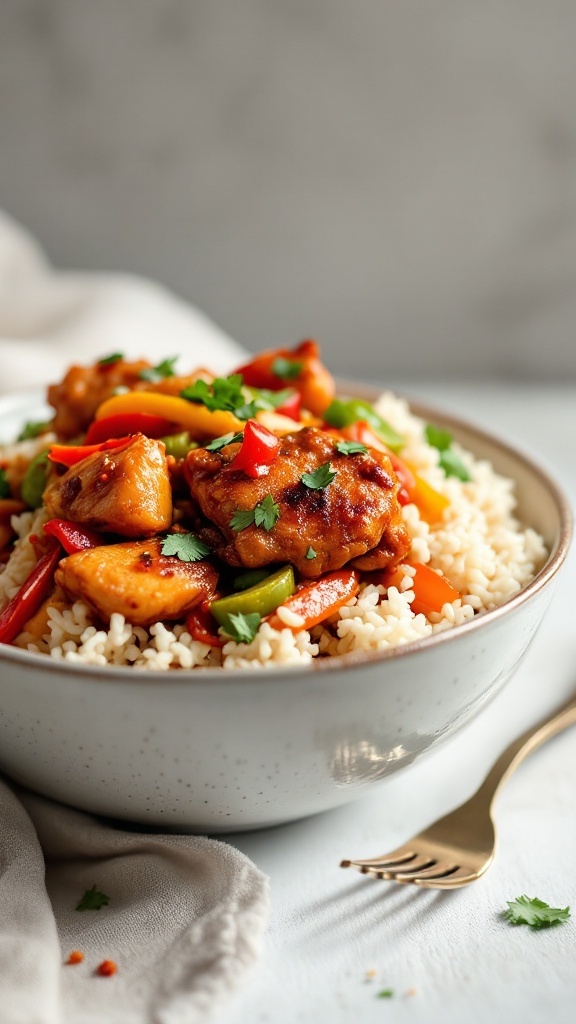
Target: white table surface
[(448, 957)]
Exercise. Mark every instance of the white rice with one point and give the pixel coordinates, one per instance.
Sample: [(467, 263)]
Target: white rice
[(479, 546)]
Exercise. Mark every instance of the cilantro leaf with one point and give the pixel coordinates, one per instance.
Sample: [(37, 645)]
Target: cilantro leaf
[(33, 429), (310, 554), (266, 513), (242, 519), (160, 371), (385, 993), (286, 369), (185, 546), (438, 438), (320, 478), (453, 465), (5, 491), (243, 628), (223, 393), (351, 447), (535, 913), (116, 357), (93, 900), (263, 400), (221, 442), (450, 462)]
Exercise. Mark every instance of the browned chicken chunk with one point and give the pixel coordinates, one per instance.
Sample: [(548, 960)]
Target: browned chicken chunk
[(124, 490), (356, 513), (136, 580), (84, 388)]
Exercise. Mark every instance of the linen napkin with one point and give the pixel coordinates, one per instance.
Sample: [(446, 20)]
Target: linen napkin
[(185, 914)]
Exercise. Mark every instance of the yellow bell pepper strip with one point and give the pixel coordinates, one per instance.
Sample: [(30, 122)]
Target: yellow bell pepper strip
[(430, 502), (197, 419), (314, 602), (431, 591), (262, 598), (122, 426)]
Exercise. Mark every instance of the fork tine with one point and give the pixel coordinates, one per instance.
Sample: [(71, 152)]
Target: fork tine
[(436, 871), (401, 856)]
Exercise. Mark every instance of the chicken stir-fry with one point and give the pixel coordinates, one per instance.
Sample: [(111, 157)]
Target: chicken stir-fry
[(210, 501)]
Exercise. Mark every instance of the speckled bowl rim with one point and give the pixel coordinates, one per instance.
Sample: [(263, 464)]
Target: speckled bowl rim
[(356, 660)]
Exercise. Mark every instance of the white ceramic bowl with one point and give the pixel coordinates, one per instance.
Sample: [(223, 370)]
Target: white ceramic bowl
[(216, 750)]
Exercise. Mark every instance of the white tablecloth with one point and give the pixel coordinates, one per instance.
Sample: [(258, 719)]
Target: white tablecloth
[(448, 957)]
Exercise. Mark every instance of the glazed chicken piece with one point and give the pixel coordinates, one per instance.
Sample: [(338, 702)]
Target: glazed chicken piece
[(136, 580), (123, 490), (84, 388), (358, 512)]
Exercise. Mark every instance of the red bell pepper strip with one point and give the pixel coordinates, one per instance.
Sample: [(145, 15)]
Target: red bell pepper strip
[(315, 601), (291, 407), (305, 373), (72, 537), (258, 450), (202, 626), (123, 424), (69, 455), (32, 593)]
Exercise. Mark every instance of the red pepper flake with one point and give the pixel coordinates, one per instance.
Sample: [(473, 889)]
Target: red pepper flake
[(107, 968), (76, 957)]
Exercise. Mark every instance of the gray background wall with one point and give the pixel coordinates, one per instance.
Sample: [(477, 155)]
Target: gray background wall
[(394, 177)]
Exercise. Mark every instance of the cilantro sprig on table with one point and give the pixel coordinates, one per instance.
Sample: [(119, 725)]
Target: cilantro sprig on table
[(535, 913), (451, 463), (162, 370), (93, 900), (265, 515), (185, 546)]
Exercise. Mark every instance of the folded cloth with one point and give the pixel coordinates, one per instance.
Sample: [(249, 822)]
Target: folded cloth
[(50, 319), (185, 914), (183, 923)]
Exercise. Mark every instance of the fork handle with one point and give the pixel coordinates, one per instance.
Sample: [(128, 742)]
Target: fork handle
[(524, 745)]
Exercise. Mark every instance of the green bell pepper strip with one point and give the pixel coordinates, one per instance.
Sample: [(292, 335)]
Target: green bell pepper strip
[(249, 578), (178, 445), (342, 412), (262, 598), (35, 480)]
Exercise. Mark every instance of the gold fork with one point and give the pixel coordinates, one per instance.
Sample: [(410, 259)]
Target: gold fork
[(459, 848)]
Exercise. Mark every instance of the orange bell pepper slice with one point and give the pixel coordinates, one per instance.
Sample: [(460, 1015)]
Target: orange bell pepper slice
[(315, 601), (431, 590)]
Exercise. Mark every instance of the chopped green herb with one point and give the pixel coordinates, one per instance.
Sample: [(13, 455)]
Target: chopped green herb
[(310, 554), (385, 993), (450, 462), (243, 628), (286, 369), (453, 465), (262, 400), (93, 900), (33, 429), (242, 519), (535, 913), (5, 491), (223, 393), (351, 447), (160, 371), (116, 357), (266, 513), (320, 478), (221, 442), (185, 546)]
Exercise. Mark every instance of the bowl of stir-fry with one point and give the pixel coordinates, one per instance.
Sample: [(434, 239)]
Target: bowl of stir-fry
[(231, 601)]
